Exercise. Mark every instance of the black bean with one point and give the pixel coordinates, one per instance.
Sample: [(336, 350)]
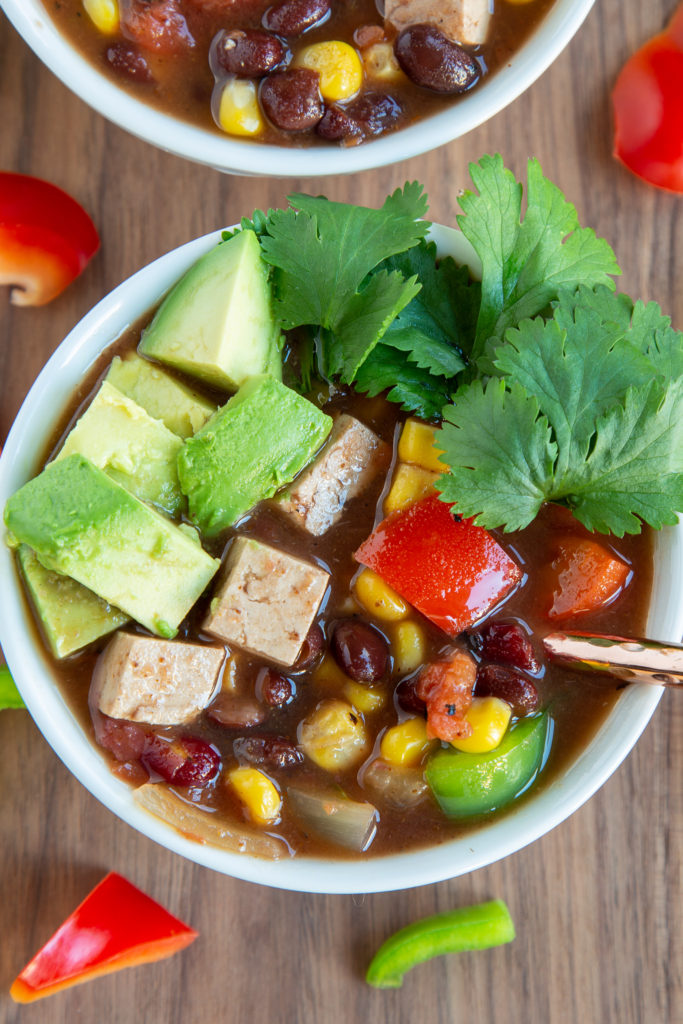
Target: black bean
[(274, 689), (434, 61), (267, 751), (369, 114), (247, 53), (407, 698), (129, 62), (511, 686), (291, 99), (311, 649), (360, 650), (293, 17), (507, 641)]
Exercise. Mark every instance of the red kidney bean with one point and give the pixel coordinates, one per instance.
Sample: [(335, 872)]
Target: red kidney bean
[(407, 698), (293, 17), (507, 641), (291, 99), (434, 61), (127, 61), (187, 761), (267, 751), (369, 114), (360, 650), (274, 689), (125, 740), (235, 712), (311, 649), (511, 686), (247, 53)]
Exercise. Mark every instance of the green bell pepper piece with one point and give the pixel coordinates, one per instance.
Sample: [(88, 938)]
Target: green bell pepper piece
[(9, 695), (467, 784), (457, 931)]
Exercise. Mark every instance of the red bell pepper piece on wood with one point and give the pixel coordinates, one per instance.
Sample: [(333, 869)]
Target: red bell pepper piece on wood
[(46, 238), (450, 570), (648, 109), (116, 926), (582, 577)]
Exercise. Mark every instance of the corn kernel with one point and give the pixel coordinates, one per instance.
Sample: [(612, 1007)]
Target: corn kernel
[(238, 109), (410, 483), (489, 718), (380, 63), (104, 14), (416, 444), (364, 698), (333, 735), (378, 598), (406, 743), (259, 795), (328, 675), (339, 66), (409, 647)]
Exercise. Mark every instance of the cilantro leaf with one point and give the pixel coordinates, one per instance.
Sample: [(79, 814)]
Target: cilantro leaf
[(414, 389), (526, 261)]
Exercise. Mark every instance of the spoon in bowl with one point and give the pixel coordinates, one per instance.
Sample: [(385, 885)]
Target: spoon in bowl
[(632, 661)]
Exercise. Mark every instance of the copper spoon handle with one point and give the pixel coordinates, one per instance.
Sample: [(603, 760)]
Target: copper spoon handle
[(633, 661)]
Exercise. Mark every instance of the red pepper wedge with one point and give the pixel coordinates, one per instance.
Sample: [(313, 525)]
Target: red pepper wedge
[(46, 239), (648, 109), (450, 570), (117, 925)]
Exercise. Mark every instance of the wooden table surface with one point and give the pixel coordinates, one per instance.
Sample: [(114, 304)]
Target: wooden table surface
[(597, 902)]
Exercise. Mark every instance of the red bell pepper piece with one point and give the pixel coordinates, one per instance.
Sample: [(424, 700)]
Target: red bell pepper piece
[(582, 577), (46, 238), (648, 109), (450, 570), (116, 926)]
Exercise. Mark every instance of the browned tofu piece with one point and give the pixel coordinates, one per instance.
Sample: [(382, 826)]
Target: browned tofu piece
[(266, 600), (465, 21), (163, 682), (350, 460)]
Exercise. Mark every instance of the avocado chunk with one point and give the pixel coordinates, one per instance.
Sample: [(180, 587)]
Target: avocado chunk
[(216, 323), (139, 452), (253, 445), (71, 616), (178, 407), (83, 524)]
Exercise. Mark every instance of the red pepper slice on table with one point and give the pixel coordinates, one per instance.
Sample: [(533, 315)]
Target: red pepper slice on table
[(450, 570), (116, 926), (648, 109), (46, 238)]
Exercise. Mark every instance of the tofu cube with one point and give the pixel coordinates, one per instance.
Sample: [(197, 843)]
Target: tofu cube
[(266, 601), (162, 682), (464, 21), (350, 460)]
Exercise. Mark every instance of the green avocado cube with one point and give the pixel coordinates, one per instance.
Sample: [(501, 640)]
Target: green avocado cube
[(81, 523), (139, 452), (70, 615), (253, 445), (216, 323), (180, 408)]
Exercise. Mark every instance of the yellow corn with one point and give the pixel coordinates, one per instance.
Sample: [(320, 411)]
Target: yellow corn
[(259, 795), (416, 444), (328, 675), (406, 743), (364, 698), (410, 483), (409, 647), (104, 14), (339, 66), (489, 718), (378, 598), (333, 735), (238, 110), (380, 63)]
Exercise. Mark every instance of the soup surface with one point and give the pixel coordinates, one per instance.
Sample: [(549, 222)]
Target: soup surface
[(325, 71)]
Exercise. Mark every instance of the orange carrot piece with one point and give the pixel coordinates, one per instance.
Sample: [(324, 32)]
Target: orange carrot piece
[(584, 576)]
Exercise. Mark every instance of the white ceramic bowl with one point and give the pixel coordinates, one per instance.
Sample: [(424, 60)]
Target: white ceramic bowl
[(29, 436), (225, 154)]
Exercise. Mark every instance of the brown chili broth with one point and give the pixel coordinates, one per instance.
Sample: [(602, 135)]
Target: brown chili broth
[(184, 82), (578, 702)]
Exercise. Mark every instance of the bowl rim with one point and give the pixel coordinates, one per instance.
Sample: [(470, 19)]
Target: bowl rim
[(29, 664), (555, 31)]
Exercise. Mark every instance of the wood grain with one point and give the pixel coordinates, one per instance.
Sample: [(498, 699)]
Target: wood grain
[(597, 902)]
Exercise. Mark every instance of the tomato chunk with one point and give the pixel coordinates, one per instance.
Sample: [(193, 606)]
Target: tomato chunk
[(446, 688), (583, 576), (450, 570), (115, 926), (648, 109)]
